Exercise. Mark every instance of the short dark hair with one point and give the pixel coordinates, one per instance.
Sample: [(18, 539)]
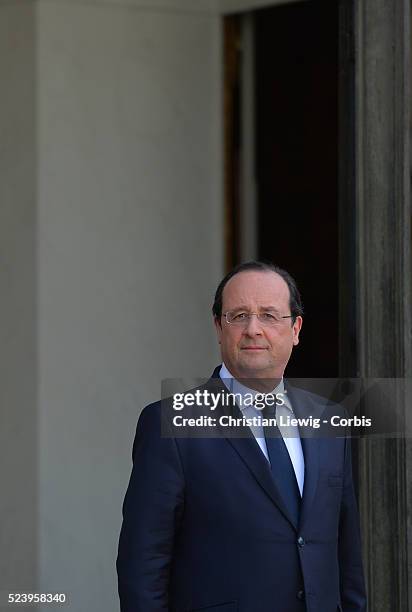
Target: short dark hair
[(295, 301)]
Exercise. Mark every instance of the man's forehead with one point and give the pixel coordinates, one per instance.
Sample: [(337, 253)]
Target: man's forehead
[(256, 284)]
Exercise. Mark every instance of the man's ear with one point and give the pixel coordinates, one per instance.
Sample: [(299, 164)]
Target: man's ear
[(297, 326), (218, 327)]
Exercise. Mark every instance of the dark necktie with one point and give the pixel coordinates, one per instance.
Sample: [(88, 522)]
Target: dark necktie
[(282, 468)]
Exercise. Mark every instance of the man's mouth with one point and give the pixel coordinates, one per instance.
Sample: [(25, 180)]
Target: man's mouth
[(253, 348)]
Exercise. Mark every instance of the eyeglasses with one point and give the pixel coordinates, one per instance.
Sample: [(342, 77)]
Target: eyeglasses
[(267, 318)]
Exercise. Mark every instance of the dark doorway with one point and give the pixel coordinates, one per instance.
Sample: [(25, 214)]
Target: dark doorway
[(297, 166), (303, 97)]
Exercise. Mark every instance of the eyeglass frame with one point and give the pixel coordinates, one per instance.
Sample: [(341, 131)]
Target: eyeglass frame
[(249, 314)]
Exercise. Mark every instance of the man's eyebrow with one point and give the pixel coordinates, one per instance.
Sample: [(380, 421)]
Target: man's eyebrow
[(243, 307)]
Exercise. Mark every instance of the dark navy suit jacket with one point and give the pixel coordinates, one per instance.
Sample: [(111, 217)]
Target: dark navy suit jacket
[(205, 529)]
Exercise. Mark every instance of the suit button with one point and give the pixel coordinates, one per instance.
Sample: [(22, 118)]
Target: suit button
[(300, 595), (301, 542)]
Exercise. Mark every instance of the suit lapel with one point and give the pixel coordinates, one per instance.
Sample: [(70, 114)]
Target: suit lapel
[(310, 447), (250, 452), (304, 406)]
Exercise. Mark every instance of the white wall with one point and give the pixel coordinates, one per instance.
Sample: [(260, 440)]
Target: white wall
[(129, 254), (18, 409)]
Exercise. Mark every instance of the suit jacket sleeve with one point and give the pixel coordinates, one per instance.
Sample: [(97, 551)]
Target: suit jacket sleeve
[(152, 512), (352, 585)]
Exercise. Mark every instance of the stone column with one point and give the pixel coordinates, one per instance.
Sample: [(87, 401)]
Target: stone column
[(382, 57)]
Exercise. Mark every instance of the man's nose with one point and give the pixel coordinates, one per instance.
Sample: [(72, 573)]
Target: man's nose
[(253, 326)]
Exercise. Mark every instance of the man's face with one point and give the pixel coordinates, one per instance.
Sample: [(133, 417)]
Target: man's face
[(255, 350)]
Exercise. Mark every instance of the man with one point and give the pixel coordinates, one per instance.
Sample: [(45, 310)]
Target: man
[(253, 523)]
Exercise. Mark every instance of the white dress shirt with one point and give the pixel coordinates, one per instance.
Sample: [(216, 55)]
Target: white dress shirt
[(292, 440)]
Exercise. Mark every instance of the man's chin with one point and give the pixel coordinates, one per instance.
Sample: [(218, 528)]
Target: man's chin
[(258, 368)]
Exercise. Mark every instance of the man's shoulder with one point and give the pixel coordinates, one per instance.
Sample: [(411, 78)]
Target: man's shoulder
[(150, 414), (313, 401), (177, 400)]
